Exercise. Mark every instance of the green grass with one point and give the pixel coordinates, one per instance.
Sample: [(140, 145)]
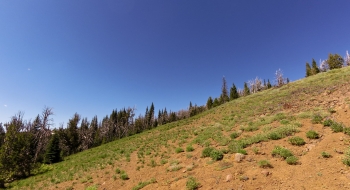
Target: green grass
[(326, 155), (298, 141), (312, 134), (282, 152), (264, 164), (141, 185), (192, 183)]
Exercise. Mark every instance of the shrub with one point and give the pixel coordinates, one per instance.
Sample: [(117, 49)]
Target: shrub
[(327, 122), (235, 135), (189, 148), (316, 119), (337, 127), (326, 155), (275, 136), (312, 134), (292, 160), (206, 152), (124, 176), (117, 171), (264, 164), (216, 155), (346, 130), (242, 151), (298, 141), (179, 150), (280, 151), (192, 183)]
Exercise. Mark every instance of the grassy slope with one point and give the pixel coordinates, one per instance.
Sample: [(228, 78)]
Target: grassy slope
[(255, 116)]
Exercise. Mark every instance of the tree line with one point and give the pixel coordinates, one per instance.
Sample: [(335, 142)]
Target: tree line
[(334, 61)]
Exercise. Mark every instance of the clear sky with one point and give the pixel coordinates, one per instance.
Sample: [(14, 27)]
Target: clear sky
[(91, 57)]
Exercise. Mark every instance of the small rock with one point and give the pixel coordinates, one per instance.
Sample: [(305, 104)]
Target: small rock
[(265, 173), (341, 138), (239, 157), (338, 151), (184, 171), (309, 147), (228, 178)]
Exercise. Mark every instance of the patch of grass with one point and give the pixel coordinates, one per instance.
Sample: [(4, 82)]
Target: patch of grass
[(312, 134), (326, 155), (316, 119), (298, 141), (235, 135), (337, 127), (250, 128), (206, 152), (275, 136), (93, 187), (179, 150), (141, 185), (124, 175), (189, 148), (216, 155), (192, 183), (153, 163), (282, 152), (346, 159), (284, 121), (292, 160), (327, 122), (163, 161), (264, 164), (224, 165)]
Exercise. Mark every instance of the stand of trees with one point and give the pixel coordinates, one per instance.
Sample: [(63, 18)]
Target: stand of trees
[(334, 61)]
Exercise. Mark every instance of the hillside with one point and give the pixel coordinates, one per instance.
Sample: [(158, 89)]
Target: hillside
[(170, 156)]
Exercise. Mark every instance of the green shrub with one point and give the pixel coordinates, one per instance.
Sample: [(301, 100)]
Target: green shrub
[(316, 119), (179, 150), (298, 141), (326, 155), (327, 122), (282, 152), (275, 136), (346, 130), (192, 183), (312, 134), (117, 171), (124, 176), (284, 121), (264, 164), (189, 148), (216, 155), (337, 127), (292, 160), (346, 159), (242, 151), (235, 135), (206, 152)]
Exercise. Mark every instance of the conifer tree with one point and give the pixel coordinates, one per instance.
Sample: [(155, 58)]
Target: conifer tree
[(216, 102), (224, 93), (246, 89), (315, 68), (53, 150), (308, 70), (335, 61), (209, 103), (233, 92), (72, 134), (268, 84)]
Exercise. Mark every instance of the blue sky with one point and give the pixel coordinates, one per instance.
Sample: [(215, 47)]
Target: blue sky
[(91, 57)]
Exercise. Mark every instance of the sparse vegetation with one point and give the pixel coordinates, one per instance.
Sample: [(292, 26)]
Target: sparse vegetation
[(298, 141), (282, 152), (189, 148), (216, 155), (326, 155), (207, 151), (179, 150), (264, 164), (312, 134), (192, 183), (292, 160)]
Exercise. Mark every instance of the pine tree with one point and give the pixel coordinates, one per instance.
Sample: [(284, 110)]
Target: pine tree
[(53, 150), (216, 102), (233, 92), (315, 69), (72, 134), (335, 61), (308, 70), (209, 103), (224, 93), (268, 84), (246, 89)]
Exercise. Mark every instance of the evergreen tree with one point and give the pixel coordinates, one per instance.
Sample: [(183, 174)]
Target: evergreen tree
[(53, 150), (95, 132), (216, 102), (308, 70), (209, 103), (233, 92), (224, 92), (246, 89), (16, 154), (2, 134), (315, 68), (268, 84), (72, 134), (335, 61), (151, 116)]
